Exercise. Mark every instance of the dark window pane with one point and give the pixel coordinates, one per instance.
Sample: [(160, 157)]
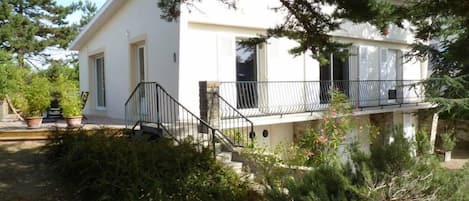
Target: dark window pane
[(246, 76)]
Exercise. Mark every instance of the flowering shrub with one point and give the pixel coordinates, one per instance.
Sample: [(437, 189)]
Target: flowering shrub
[(322, 145)]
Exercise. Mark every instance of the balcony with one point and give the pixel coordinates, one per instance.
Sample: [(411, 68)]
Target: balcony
[(257, 99)]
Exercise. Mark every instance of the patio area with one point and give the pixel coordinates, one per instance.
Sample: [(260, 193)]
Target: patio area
[(12, 129)]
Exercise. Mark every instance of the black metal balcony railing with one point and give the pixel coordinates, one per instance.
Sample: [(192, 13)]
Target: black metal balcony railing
[(254, 98)]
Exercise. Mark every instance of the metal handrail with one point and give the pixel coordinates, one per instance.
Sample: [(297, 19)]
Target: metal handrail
[(263, 98), (135, 89), (150, 103), (234, 123)]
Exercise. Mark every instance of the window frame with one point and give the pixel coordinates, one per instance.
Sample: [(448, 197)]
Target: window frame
[(96, 59)]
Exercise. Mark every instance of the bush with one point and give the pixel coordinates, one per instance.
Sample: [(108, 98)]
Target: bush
[(423, 143), (11, 77), (114, 168), (69, 99), (35, 98), (390, 172), (448, 140)]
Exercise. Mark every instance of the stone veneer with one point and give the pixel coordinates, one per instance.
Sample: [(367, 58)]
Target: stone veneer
[(300, 129)]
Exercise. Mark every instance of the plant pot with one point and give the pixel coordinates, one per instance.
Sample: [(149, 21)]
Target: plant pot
[(447, 156), (34, 122), (73, 122)]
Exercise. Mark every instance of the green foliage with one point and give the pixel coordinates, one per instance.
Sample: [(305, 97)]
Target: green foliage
[(322, 146), (423, 142), (442, 37), (71, 105), (389, 172), (322, 183), (395, 156), (61, 68), (108, 167), (28, 27), (89, 9), (448, 140), (11, 78), (70, 100), (35, 97)]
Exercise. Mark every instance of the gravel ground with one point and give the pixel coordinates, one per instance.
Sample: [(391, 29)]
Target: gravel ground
[(25, 175)]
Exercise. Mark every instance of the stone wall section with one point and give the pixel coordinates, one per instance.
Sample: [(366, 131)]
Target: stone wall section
[(301, 128)]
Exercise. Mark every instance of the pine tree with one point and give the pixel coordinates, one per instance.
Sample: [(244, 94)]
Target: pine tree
[(27, 27), (442, 32)]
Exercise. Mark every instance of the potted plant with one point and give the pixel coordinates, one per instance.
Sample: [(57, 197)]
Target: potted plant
[(34, 100), (448, 142), (72, 109), (70, 102)]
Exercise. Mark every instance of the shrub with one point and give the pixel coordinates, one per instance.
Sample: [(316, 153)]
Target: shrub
[(11, 77), (69, 99), (71, 105), (448, 140), (423, 142), (387, 173), (323, 144), (114, 168), (35, 98)]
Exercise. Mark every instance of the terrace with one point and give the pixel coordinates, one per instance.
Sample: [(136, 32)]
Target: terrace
[(12, 129), (264, 101)]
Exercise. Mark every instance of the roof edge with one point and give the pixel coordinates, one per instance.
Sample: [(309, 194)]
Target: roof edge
[(104, 13)]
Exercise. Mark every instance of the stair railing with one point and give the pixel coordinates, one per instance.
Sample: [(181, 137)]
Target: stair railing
[(150, 105), (236, 127)]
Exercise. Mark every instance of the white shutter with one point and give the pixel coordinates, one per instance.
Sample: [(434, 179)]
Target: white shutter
[(363, 63), (226, 58), (384, 64), (226, 64)]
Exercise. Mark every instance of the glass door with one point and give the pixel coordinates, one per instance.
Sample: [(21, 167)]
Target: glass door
[(246, 76)]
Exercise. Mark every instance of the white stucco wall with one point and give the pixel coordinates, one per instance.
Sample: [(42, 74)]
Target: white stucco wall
[(135, 21), (277, 134), (359, 135), (207, 46), (203, 43)]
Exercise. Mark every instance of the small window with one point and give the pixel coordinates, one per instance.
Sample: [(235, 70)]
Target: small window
[(100, 83), (141, 63)]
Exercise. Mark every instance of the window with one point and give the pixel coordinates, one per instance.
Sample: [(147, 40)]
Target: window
[(100, 83), (140, 63), (336, 74), (246, 75)]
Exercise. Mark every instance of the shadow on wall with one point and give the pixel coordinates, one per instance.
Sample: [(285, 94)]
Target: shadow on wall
[(367, 31)]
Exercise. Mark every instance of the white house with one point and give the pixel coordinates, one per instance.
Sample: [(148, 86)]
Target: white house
[(127, 43)]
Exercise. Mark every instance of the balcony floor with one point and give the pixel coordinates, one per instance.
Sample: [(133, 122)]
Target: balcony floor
[(308, 116)]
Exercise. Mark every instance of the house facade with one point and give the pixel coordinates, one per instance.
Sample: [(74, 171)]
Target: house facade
[(282, 95)]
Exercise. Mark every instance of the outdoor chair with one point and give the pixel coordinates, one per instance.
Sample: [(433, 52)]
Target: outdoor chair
[(84, 98)]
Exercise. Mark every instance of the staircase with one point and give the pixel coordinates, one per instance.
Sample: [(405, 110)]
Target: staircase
[(151, 111)]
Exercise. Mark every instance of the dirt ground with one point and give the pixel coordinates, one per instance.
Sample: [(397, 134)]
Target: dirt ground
[(459, 156), (25, 175)]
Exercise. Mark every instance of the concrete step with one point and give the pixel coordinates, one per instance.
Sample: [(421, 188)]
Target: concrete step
[(224, 156), (236, 166), (218, 147)]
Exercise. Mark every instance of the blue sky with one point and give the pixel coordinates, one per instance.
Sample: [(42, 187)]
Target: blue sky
[(76, 16)]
